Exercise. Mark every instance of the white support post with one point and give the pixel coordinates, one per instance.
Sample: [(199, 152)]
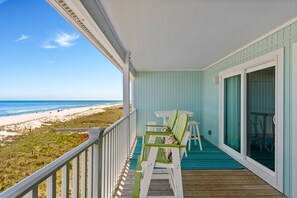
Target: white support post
[(126, 95), (95, 164), (133, 92), (126, 86)]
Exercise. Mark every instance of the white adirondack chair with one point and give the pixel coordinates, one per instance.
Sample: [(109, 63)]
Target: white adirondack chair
[(153, 156)]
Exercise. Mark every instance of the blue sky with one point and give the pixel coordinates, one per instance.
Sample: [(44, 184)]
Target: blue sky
[(44, 57)]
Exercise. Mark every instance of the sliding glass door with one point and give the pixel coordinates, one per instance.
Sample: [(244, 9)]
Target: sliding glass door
[(251, 115), (232, 103), (260, 116)]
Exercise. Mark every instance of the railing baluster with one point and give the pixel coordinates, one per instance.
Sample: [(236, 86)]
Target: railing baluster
[(75, 179), (65, 181), (112, 162), (105, 167), (51, 187), (95, 170), (33, 193), (108, 166), (115, 176), (84, 174), (116, 154), (90, 171)]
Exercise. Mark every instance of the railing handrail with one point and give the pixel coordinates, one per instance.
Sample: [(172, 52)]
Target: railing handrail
[(108, 129), (39, 176), (31, 182)]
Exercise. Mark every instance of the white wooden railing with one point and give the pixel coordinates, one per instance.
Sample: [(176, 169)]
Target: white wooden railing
[(98, 166)]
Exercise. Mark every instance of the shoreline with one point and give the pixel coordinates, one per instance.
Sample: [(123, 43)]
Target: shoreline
[(15, 125)]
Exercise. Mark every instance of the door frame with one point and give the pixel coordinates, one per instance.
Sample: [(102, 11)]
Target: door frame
[(294, 123), (275, 58)]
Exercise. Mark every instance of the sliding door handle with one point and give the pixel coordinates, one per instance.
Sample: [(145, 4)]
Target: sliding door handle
[(274, 119)]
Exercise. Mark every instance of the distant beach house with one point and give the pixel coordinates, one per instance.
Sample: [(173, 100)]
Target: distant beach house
[(232, 64)]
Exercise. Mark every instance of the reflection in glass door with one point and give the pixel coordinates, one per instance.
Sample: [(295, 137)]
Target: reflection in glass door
[(260, 116), (232, 125)]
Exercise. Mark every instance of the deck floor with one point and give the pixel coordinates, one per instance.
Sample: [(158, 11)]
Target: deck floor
[(207, 173), (210, 183)]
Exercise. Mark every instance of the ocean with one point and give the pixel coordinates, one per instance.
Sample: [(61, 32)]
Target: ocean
[(17, 107)]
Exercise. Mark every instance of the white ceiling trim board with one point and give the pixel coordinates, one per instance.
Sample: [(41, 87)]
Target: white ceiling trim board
[(78, 9), (167, 70), (253, 42)]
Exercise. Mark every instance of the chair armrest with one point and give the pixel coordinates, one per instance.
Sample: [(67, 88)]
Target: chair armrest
[(164, 145), (155, 133), (155, 126)]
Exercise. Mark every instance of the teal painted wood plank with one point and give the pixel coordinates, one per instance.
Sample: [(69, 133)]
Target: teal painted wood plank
[(211, 158)]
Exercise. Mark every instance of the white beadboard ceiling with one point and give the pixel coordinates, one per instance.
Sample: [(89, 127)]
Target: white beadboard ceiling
[(192, 34)]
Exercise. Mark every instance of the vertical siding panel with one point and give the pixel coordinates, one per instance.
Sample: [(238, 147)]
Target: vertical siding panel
[(166, 91), (264, 46), (274, 41)]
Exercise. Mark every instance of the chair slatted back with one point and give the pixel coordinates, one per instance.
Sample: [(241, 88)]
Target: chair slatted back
[(181, 126), (172, 120)]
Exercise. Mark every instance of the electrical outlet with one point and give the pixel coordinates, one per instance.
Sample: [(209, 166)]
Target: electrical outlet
[(209, 132)]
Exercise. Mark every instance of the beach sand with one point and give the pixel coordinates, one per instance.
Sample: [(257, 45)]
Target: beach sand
[(14, 125)]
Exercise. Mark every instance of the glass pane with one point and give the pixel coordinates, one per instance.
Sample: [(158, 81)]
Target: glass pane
[(232, 112), (260, 112)]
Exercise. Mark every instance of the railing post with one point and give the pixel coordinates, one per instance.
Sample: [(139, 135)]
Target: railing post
[(126, 95), (98, 155)]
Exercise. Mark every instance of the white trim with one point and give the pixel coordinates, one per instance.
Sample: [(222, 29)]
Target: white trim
[(294, 121), (263, 66), (253, 42), (107, 50), (266, 58), (275, 58), (165, 70)]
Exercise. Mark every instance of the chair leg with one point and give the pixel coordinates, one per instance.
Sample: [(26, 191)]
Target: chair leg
[(198, 135), (148, 172), (178, 185), (195, 134), (190, 137), (170, 177)]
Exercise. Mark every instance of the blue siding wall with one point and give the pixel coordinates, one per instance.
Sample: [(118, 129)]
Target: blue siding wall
[(166, 91), (281, 39)]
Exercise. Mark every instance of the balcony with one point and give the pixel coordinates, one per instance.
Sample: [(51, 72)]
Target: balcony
[(104, 166), (174, 60)]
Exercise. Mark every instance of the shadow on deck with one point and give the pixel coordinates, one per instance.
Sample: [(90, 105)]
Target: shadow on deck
[(207, 173)]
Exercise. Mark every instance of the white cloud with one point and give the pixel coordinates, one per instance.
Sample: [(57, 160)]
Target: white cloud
[(48, 45), (2, 1), (66, 40), (22, 37), (61, 40)]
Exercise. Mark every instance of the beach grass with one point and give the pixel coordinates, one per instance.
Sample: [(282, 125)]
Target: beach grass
[(24, 154)]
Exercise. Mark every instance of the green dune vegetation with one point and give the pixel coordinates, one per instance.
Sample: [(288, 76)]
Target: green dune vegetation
[(22, 155)]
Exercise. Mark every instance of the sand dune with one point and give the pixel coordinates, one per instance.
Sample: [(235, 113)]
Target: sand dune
[(18, 123)]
